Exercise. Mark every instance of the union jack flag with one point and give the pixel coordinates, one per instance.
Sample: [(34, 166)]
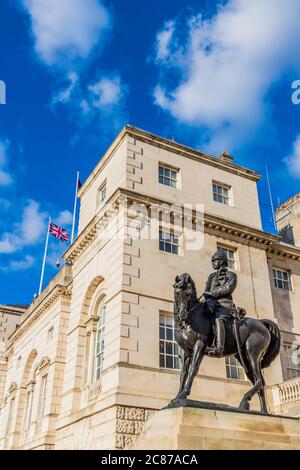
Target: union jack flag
[(58, 232)]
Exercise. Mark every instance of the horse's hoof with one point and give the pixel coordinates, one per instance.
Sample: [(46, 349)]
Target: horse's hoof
[(244, 405)]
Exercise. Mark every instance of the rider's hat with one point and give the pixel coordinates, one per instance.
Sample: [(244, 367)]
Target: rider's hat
[(220, 255)]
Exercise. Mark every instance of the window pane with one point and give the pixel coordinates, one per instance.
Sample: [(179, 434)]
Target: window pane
[(169, 362)]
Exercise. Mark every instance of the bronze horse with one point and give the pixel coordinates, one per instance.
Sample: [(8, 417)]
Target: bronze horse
[(259, 341)]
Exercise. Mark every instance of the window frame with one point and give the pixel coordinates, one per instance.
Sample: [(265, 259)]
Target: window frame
[(174, 246), (278, 280), (168, 330), (100, 199), (233, 266), (100, 340), (223, 197), (165, 179), (42, 400)]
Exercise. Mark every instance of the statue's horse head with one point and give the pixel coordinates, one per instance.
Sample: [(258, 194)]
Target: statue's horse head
[(184, 293)]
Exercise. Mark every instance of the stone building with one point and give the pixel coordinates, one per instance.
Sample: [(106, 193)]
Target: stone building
[(10, 319), (95, 353)]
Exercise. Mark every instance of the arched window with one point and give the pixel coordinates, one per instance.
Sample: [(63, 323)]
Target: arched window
[(99, 353)]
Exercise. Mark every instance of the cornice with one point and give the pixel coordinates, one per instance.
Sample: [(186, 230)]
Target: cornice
[(189, 152), (98, 222), (60, 286), (212, 224), (222, 163)]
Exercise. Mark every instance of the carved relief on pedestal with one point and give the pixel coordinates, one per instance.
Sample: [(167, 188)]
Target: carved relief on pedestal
[(130, 422)]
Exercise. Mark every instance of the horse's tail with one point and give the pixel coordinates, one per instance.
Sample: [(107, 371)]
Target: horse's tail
[(274, 346)]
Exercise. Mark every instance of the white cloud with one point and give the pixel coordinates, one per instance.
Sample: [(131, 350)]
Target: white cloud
[(64, 218), (64, 96), (21, 265), (225, 66), (27, 232), (65, 31), (163, 40), (293, 160), (100, 103), (106, 92), (5, 177)]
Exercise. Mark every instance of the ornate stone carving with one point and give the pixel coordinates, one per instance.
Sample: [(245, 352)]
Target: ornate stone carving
[(130, 422)]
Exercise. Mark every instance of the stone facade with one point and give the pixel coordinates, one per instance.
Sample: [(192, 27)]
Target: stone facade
[(83, 369)]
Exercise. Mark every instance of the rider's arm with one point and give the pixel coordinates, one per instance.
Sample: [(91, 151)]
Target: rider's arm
[(208, 283)]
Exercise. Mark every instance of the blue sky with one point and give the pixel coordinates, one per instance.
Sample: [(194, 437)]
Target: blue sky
[(214, 75)]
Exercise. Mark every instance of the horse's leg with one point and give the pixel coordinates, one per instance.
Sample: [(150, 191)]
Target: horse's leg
[(262, 398), (198, 354), (184, 371), (254, 356)]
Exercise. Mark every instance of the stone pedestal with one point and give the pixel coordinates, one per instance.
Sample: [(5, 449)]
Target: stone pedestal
[(210, 429)]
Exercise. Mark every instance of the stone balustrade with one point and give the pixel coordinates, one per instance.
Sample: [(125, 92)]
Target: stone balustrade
[(289, 391), (286, 393)]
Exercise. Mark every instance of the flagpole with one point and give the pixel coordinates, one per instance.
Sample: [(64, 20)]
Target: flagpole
[(75, 207), (45, 255), (271, 199)]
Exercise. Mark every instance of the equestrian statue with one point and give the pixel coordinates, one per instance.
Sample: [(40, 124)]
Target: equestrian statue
[(215, 327)]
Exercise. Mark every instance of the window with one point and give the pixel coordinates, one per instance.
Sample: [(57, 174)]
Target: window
[(100, 343), (234, 370), (168, 242), (231, 257), (101, 195), (50, 333), (221, 193), (168, 348), (42, 398), (292, 361), (168, 176), (10, 415), (282, 279), (28, 409)]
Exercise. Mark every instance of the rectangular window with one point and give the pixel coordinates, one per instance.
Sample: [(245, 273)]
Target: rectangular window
[(234, 370), (221, 193), (168, 242), (101, 197), (27, 409), (50, 334), (282, 279), (42, 398), (168, 348), (231, 256), (10, 416), (100, 343), (292, 361), (168, 176)]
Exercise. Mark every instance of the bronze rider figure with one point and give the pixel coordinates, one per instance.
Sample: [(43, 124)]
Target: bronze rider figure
[(218, 297)]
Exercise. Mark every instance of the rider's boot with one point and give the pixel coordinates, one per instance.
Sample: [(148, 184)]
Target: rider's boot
[(217, 351)]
